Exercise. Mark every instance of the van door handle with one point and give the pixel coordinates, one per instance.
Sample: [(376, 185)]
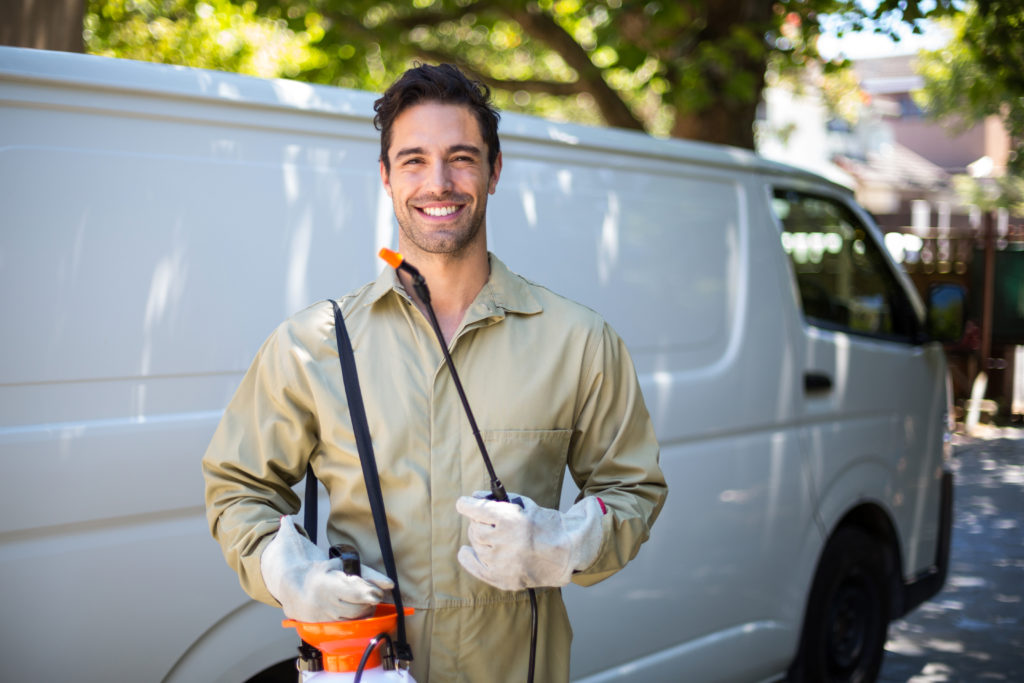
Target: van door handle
[(815, 382)]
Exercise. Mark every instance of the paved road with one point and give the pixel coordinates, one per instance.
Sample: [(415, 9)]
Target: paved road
[(974, 629)]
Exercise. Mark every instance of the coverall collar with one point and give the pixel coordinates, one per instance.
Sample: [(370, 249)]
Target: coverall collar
[(504, 292)]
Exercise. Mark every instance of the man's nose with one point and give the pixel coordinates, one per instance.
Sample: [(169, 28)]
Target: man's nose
[(440, 178)]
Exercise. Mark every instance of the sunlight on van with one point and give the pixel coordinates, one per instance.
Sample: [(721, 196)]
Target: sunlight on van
[(564, 180), (529, 205), (608, 250), (299, 248), (563, 137), (384, 230)]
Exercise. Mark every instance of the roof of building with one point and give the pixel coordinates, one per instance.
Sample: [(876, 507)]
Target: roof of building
[(888, 75), (896, 166)]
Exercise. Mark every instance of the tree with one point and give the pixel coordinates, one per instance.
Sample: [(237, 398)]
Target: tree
[(687, 68), (212, 34), (981, 72), (988, 194)]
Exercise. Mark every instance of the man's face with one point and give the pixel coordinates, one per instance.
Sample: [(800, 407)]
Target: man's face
[(439, 178)]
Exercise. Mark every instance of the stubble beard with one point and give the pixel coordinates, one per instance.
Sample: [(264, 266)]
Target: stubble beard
[(452, 240)]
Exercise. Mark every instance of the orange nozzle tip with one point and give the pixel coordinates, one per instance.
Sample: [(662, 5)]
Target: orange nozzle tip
[(393, 258)]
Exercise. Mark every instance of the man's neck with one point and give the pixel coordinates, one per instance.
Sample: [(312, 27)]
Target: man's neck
[(453, 282)]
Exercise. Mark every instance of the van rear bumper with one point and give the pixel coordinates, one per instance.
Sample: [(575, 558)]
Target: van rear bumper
[(931, 581)]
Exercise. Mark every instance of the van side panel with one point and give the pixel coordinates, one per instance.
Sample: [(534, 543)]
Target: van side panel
[(151, 241)]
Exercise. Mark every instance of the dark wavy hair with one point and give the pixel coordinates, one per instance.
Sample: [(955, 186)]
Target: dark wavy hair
[(443, 83)]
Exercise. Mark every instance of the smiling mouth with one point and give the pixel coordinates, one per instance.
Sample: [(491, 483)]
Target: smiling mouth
[(440, 211)]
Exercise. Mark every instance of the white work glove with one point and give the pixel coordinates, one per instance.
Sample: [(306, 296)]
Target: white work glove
[(311, 587), (524, 547)]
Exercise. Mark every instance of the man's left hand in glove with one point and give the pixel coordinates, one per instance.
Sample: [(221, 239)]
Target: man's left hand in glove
[(514, 547)]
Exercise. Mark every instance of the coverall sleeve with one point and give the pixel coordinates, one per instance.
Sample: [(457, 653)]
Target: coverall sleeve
[(258, 452), (614, 455)]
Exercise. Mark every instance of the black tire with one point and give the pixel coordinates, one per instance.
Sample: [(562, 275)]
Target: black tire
[(282, 672), (847, 617)]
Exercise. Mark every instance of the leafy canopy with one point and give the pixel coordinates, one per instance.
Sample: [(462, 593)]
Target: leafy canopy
[(980, 73), (689, 68), (212, 34)]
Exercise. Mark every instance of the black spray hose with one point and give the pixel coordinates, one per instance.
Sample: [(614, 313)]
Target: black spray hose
[(498, 493), (533, 634), (381, 637)]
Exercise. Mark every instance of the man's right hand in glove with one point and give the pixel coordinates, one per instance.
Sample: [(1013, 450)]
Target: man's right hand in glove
[(311, 587)]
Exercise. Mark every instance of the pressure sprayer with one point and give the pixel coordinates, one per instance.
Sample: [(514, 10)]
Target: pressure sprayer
[(350, 651), (498, 493)]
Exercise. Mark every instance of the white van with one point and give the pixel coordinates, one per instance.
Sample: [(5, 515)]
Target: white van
[(158, 222)]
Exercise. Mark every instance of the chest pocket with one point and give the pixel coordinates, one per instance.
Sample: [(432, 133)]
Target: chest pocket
[(529, 461)]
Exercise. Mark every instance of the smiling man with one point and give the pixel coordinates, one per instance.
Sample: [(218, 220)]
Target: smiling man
[(552, 387)]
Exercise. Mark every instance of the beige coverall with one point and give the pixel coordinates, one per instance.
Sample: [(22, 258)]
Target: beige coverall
[(550, 385)]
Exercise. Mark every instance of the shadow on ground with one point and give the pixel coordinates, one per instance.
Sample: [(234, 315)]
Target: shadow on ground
[(973, 630)]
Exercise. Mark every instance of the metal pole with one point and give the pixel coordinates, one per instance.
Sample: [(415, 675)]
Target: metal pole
[(988, 292)]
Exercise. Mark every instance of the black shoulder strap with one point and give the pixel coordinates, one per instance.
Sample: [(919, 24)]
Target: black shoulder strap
[(309, 516), (364, 445)]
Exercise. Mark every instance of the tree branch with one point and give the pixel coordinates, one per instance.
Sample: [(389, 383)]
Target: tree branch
[(543, 27), (557, 88), (540, 26), (434, 17)]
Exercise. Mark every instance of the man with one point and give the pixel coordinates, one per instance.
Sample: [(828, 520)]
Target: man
[(551, 387)]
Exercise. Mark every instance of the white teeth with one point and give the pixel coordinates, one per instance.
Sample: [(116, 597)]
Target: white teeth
[(440, 210)]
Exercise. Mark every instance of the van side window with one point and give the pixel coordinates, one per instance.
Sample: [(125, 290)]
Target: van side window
[(841, 273)]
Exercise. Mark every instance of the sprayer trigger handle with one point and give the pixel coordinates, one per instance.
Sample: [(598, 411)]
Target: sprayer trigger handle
[(349, 558)]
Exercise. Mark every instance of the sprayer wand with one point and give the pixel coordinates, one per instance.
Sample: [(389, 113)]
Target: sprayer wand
[(419, 284)]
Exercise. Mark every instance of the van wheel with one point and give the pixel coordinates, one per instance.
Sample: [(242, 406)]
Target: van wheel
[(847, 618), (282, 672)]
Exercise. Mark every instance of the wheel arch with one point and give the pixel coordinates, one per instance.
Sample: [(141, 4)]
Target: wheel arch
[(843, 503), (245, 643)]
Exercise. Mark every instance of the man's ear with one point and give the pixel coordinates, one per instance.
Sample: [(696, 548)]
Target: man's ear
[(384, 178), (495, 174)]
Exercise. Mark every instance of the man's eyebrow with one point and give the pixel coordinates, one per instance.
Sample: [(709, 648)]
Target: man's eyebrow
[(464, 148), (409, 151)]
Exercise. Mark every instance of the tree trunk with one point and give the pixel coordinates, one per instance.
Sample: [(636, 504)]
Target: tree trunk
[(728, 120), (42, 24), (722, 122), (542, 26)]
